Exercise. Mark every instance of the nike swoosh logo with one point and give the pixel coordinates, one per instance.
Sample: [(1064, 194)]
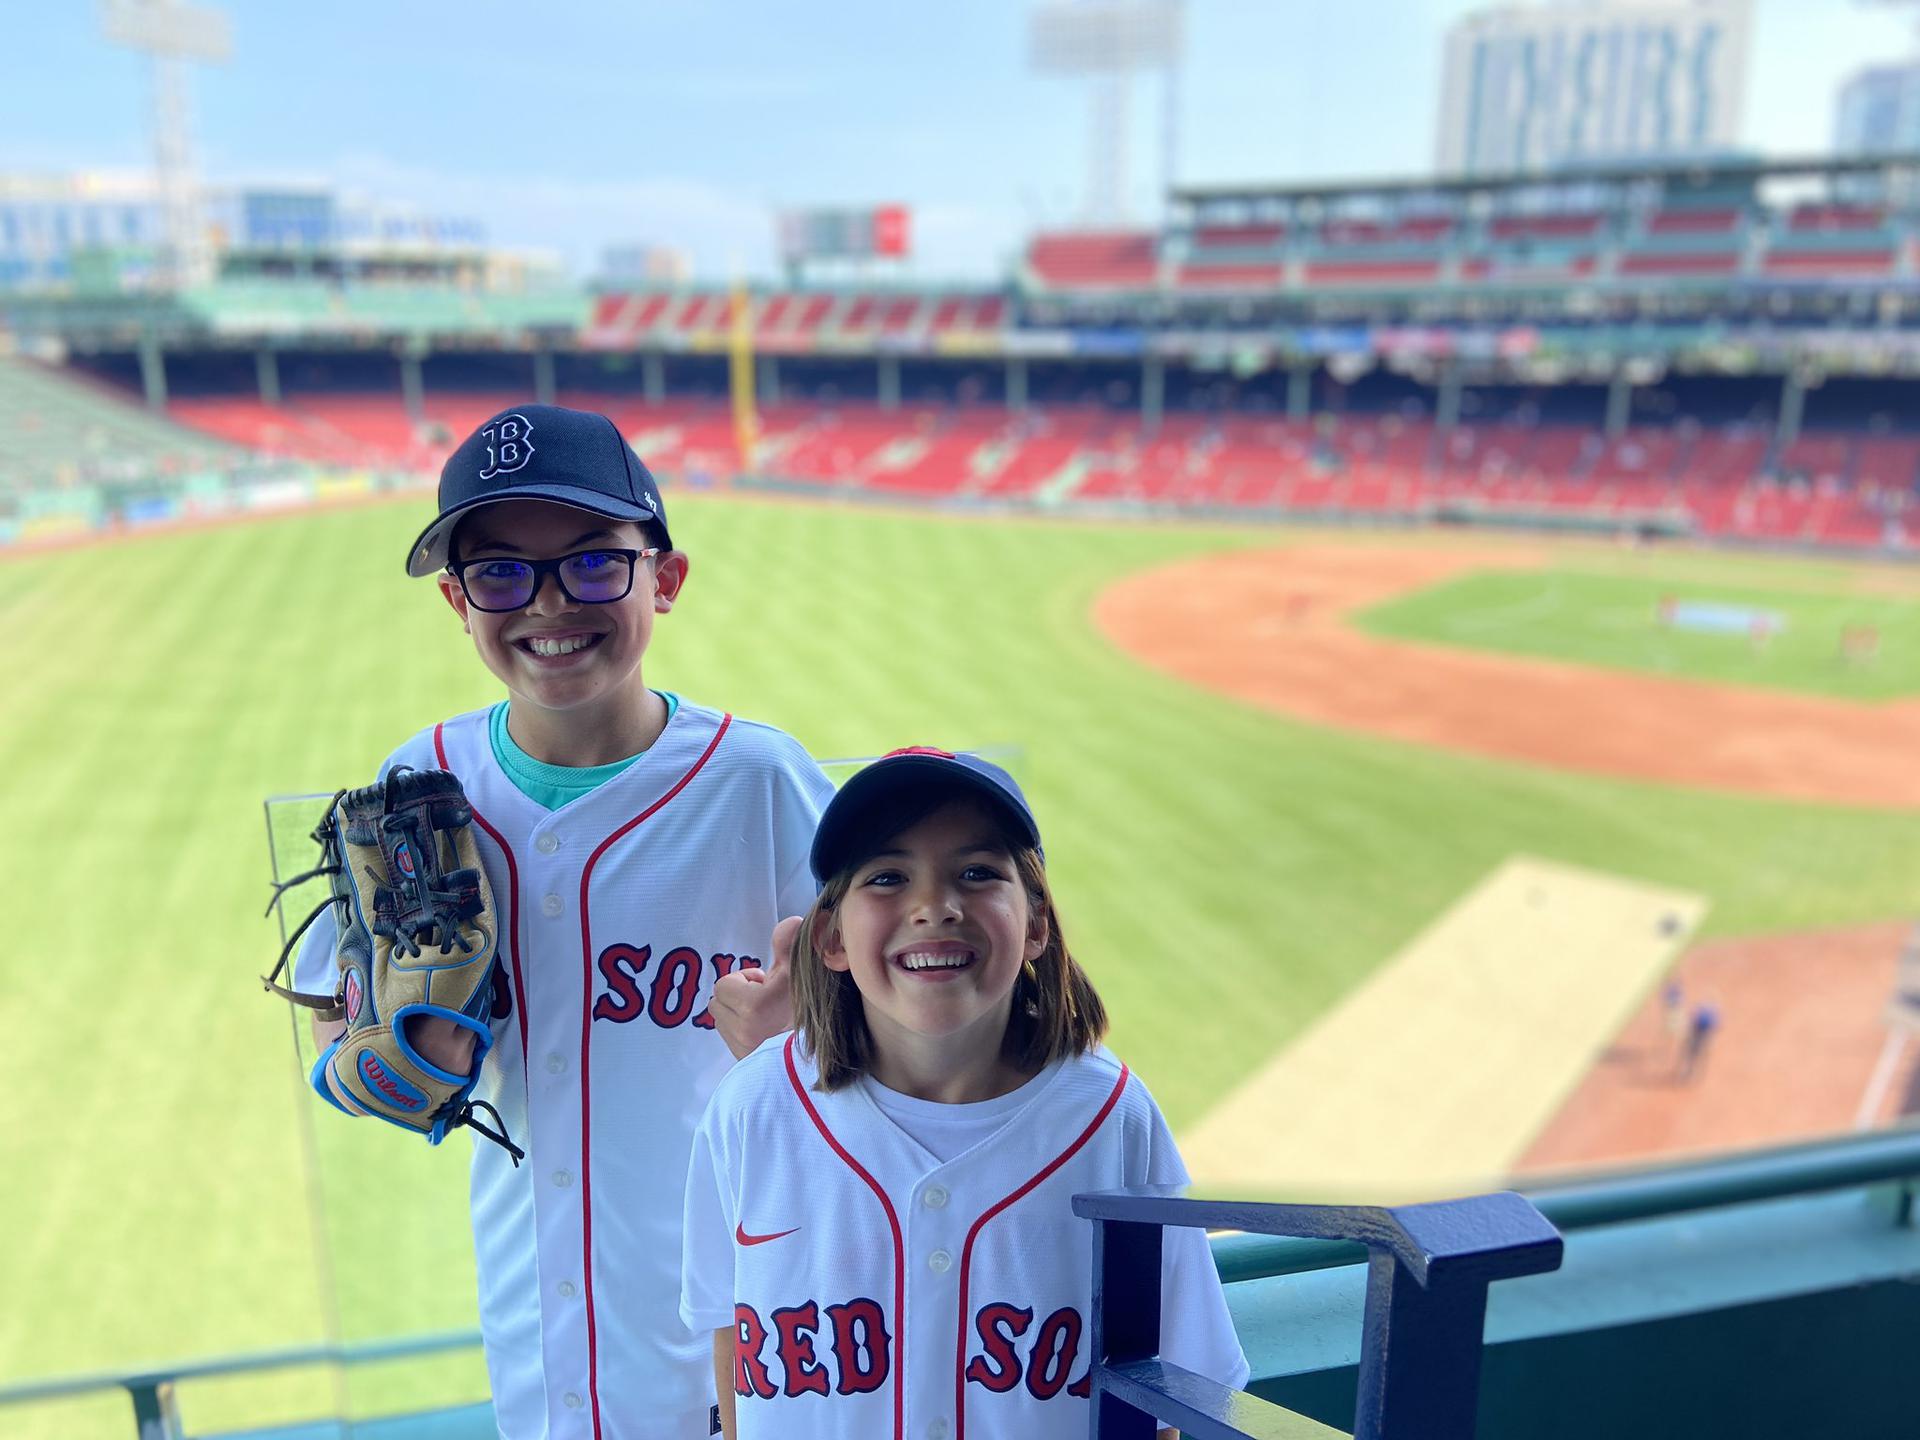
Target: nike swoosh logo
[(740, 1234)]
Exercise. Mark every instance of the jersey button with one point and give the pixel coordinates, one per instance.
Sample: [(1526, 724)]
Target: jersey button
[(552, 905), (563, 1178), (940, 1262), (936, 1430), (556, 1064), (547, 843), (572, 1399), (566, 1289), (935, 1198)]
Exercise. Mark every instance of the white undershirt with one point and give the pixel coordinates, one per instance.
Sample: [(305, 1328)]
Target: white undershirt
[(945, 1130)]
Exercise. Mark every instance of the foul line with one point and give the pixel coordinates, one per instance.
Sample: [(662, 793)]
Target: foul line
[(1875, 1097)]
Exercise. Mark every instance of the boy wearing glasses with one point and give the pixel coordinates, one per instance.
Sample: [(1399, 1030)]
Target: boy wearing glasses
[(640, 849)]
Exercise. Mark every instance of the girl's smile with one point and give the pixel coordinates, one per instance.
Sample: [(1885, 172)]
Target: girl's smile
[(934, 958), (934, 931)]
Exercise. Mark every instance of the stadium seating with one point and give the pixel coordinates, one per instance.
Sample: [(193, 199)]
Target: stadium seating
[(1836, 488), (79, 456), (1720, 235), (782, 321), (1116, 260), (341, 429), (61, 428)]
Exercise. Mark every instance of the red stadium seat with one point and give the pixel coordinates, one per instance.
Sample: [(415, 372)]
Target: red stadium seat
[(1095, 259)]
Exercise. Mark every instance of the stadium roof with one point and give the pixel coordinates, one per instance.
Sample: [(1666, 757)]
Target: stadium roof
[(1695, 172)]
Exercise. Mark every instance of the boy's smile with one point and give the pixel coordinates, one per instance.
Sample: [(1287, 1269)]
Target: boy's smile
[(572, 667), (557, 643), (557, 646)]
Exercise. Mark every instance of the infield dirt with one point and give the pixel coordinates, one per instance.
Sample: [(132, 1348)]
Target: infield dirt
[(1803, 1048), (1273, 627)]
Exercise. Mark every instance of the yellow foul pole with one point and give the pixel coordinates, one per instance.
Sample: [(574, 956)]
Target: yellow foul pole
[(746, 417)]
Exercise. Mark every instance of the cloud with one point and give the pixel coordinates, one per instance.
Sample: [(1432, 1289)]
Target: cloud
[(721, 229), (973, 242)]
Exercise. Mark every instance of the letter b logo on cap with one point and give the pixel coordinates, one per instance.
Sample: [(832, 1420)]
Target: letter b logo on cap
[(508, 448)]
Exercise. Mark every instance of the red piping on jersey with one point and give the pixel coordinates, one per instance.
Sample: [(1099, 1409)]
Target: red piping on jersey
[(513, 902), (586, 1040), (966, 1251), (899, 1245)]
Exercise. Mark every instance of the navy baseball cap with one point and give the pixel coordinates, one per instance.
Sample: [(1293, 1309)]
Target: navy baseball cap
[(541, 452), (892, 776)]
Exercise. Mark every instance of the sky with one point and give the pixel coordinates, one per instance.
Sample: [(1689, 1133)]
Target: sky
[(574, 126)]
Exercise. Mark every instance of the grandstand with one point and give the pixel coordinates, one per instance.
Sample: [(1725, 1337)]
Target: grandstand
[(1735, 480), (1730, 225), (79, 456), (84, 458), (1710, 351)]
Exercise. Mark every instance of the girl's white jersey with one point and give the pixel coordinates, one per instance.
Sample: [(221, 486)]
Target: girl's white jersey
[(875, 1291), (618, 912)]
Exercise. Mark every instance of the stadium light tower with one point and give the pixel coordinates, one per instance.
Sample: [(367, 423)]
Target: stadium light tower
[(170, 34), (1110, 42)]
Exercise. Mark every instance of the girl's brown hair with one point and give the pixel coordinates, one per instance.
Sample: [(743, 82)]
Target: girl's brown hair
[(1056, 1011)]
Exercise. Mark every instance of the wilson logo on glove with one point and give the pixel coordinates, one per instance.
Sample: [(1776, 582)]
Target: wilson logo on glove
[(389, 1085)]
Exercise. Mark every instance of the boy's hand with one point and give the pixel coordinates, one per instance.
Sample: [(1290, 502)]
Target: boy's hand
[(753, 1005), (441, 1042)]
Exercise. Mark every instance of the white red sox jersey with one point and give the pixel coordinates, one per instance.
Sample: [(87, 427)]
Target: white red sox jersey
[(875, 1291), (618, 912)]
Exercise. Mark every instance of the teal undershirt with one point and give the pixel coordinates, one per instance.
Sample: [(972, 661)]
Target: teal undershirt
[(551, 786)]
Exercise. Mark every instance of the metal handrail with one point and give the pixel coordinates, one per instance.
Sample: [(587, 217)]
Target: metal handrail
[(1638, 1194), (155, 1413), (1429, 1269)]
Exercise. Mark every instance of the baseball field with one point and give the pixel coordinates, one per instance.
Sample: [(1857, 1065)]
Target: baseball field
[(1268, 764)]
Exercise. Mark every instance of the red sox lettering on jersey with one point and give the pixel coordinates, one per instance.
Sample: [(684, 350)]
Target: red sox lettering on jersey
[(876, 1291), (789, 1358), (619, 911)]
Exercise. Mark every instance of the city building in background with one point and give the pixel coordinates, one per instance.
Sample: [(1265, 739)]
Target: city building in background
[(1532, 88), (644, 264), (89, 231), (1879, 111), (104, 232)]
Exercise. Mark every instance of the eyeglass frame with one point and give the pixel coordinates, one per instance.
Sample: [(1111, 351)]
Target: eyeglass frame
[(543, 568)]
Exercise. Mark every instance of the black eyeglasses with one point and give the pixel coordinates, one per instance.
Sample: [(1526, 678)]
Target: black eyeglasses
[(586, 577)]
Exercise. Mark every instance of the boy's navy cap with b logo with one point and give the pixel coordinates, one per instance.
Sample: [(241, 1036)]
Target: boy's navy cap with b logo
[(843, 827), (541, 452)]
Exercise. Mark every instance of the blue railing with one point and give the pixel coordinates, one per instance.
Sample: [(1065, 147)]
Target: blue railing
[(156, 1413), (1843, 1163), (1429, 1267), (1445, 1243)]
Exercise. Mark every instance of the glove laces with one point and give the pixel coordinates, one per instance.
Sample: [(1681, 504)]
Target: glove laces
[(465, 1116)]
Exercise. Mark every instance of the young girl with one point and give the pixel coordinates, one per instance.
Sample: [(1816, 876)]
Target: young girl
[(878, 1230)]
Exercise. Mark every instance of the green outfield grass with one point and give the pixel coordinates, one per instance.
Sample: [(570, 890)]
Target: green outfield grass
[(1614, 620), (1225, 873)]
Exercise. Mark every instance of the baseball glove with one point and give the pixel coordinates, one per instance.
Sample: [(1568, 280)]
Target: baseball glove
[(417, 938)]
